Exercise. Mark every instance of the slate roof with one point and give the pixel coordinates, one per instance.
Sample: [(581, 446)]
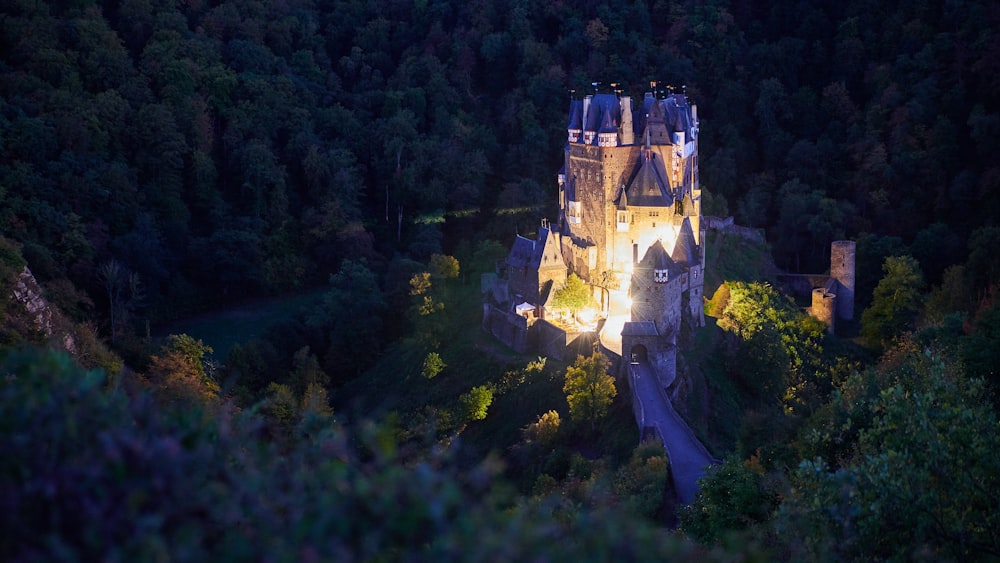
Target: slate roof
[(521, 252), (677, 114), (673, 113), (649, 186), (685, 249), (575, 114), (604, 114), (602, 106), (639, 328), (656, 258), (609, 124), (527, 253)]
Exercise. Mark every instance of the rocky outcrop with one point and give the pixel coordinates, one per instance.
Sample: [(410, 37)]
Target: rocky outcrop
[(42, 314)]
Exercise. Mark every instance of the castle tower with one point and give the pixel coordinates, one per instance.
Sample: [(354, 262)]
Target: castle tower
[(824, 305), (842, 253)]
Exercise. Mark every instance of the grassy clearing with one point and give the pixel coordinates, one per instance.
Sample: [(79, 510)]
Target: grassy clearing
[(223, 329), (734, 258)]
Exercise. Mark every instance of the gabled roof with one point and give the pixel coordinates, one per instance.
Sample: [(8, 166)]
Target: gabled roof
[(541, 253), (521, 252), (685, 249), (649, 186), (548, 254)]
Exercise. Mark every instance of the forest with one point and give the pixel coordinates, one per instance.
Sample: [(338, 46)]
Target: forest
[(161, 160)]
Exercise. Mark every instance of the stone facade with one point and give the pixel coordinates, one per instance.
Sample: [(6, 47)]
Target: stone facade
[(629, 211)]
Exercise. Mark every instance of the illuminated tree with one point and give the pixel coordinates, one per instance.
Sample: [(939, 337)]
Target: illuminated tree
[(444, 266), (179, 374), (475, 403), (589, 389), (574, 295), (433, 364)]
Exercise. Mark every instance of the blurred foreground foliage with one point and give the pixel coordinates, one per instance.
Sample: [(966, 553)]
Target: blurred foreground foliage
[(91, 472)]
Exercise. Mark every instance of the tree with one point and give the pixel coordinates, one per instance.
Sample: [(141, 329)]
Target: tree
[(474, 404), (433, 364), (545, 430), (589, 389), (731, 497), (915, 481), (281, 408), (895, 302), (124, 293), (315, 401), (444, 266), (573, 295), (213, 489), (179, 374), (427, 310), (352, 314), (641, 484)]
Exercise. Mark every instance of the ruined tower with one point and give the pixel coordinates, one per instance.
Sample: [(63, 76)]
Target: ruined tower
[(842, 253)]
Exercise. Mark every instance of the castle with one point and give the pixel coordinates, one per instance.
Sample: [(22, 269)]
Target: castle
[(629, 224)]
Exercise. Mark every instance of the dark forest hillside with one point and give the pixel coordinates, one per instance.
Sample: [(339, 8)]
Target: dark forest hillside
[(227, 150), (160, 159)]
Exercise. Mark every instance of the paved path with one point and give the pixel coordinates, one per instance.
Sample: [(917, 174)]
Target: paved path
[(688, 457)]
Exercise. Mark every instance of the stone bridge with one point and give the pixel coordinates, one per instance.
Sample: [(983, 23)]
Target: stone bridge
[(654, 412)]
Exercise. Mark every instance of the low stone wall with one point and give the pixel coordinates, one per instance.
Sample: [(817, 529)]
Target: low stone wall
[(801, 285), (549, 340), (507, 327), (729, 227)]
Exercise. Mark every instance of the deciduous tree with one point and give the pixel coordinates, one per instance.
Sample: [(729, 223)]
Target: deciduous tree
[(589, 389), (573, 295), (895, 302)]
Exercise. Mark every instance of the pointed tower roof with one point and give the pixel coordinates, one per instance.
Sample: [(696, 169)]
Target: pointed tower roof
[(602, 106), (608, 124), (575, 114), (657, 265), (686, 249), (657, 258)]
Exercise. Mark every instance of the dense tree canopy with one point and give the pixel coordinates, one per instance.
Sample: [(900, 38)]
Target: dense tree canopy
[(227, 150), (160, 158)]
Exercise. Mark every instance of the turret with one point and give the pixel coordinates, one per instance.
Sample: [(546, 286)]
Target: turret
[(575, 127)]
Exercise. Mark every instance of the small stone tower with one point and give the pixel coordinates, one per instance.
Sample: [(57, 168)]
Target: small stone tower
[(824, 304), (842, 253)]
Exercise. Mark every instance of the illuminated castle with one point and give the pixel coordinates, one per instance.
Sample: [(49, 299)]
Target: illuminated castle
[(629, 221)]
